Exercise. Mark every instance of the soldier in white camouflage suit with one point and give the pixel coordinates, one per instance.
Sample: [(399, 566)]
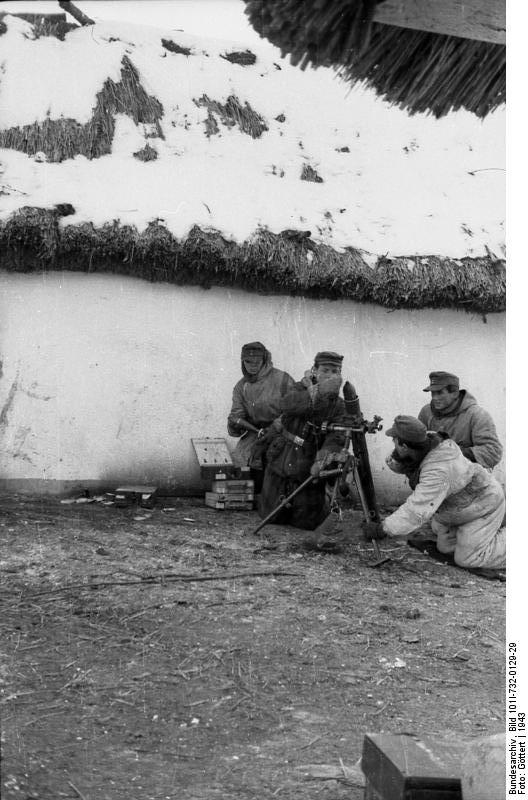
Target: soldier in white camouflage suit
[(462, 500)]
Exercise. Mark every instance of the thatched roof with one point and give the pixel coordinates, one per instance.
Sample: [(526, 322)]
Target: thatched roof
[(421, 70), (36, 239), (234, 180)]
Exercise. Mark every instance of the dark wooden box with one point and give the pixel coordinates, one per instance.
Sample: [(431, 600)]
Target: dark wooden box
[(401, 767)]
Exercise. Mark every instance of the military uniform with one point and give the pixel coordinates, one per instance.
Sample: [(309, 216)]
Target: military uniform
[(256, 399), (467, 423), (463, 502), (294, 447)]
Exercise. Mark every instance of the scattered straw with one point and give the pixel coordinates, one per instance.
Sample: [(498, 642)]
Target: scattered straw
[(65, 138), (35, 239), (416, 70), (77, 791), (211, 125), (172, 47), (232, 113), (310, 174), (147, 153), (244, 58)]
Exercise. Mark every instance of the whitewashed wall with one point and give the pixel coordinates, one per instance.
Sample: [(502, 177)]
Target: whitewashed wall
[(105, 379)]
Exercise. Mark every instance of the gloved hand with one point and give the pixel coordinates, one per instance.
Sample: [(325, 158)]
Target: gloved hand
[(326, 461), (316, 468), (329, 386), (335, 460), (373, 530)]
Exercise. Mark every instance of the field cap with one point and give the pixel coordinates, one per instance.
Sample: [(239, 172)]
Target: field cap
[(409, 429), (253, 349), (439, 380), (328, 357)]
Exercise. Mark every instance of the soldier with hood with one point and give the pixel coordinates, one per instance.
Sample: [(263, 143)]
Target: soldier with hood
[(456, 412), (298, 447), (255, 405), (463, 501)]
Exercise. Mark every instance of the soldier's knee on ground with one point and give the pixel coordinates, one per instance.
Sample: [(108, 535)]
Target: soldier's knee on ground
[(475, 559), (469, 560)]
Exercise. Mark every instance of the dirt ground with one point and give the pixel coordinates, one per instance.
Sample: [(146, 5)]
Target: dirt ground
[(171, 655)]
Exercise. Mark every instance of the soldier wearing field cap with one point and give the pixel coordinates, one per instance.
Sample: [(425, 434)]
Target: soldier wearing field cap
[(455, 411), (299, 449), (463, 501)]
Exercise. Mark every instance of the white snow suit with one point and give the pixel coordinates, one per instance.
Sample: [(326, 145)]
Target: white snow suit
[(464, 503)]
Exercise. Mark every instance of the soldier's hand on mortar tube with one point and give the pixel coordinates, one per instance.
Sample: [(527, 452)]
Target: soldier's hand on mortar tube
[(373, 530)]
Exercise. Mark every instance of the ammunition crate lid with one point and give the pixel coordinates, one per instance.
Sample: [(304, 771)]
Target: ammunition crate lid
[(212, 453)]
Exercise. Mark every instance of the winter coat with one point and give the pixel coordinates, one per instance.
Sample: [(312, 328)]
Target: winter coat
[(302, 417), (470, 426), (288, 461), (256, 400), (450, 488)]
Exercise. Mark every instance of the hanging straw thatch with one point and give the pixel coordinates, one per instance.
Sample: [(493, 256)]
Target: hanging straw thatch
[(232, 113), (35, 239), (416, 70), (43, 24), (65, 138)]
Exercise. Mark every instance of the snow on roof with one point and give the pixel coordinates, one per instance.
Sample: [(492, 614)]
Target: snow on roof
[(374, 178)]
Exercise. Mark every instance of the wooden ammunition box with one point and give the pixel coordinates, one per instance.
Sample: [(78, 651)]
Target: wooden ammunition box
[(214, 459), (232, 496), (145, 496), (223, 502), (400, 767), (231, 487)]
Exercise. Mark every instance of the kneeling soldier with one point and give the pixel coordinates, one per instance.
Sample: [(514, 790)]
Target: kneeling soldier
[(462, 500)]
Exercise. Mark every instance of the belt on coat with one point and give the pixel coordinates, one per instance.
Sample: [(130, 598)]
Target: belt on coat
[(297, 440)]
